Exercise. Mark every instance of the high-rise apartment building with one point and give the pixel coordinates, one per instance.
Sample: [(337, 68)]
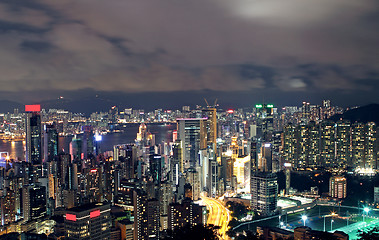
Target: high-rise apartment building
[(342, 143), (186, 213), (146, 217), (337, 187), (327, 146)]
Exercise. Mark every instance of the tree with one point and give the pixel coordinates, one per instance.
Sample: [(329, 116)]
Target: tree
[(372, 234), (197, 232), (238, 210)]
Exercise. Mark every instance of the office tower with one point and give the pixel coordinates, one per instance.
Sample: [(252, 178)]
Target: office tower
[(50, 142), (88, 141), (185, 213), (276, 144), (211, 125), (155, 166), (94, 190), (343, 129), (146, 217), (253, 155), (73, 176), (193, 178), (264, 191), (265, 121), (265, 161), (327, 146), (287, 170), (89, 221), (34, 202), (127, 155), (76, 148), (242, 170), (33, 134), (213, 179), (177, 164), (337, 187), (192, 132)]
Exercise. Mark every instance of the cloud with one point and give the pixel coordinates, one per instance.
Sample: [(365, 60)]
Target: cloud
[(164, 45)]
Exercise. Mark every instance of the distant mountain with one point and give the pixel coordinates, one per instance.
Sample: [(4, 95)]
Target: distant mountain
[(9, 106), (368, 113)]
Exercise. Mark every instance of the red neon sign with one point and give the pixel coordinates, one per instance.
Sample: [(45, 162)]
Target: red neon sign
[(94, 214), (230, 111), (70, 217), (33, 108), (93, 170)]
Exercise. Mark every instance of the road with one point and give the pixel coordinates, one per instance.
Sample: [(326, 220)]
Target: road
[(218, 215)]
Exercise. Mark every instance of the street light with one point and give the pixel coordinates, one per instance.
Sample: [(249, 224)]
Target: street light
[(331, 225), (366, 209), (304, 218)]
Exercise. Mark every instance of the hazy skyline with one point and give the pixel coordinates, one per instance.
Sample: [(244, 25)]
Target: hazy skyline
[(271, 49)]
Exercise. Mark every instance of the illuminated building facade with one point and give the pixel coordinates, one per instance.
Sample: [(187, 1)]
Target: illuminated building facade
[(90, 221), (50, 142), (327, 146), (186, 213), (192, 132), (33, 134), (146, 217), (337, 187), (264, 191), (343, 132), (331, 144), (211, 125), (34, 202)]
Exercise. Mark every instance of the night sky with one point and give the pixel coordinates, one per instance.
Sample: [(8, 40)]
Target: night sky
[(240, 51)]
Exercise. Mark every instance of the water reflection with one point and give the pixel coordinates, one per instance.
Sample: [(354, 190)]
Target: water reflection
[(162, 133)]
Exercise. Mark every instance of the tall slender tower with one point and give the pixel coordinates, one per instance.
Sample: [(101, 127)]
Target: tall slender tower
[(33, 134)]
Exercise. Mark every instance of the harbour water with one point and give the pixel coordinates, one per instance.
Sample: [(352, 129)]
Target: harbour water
[(163, 132)]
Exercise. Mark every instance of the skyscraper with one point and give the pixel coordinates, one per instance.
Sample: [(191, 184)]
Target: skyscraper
[(192, 132), (211, 125), (50, 142), (264, 191), (33, 134), (337, 187)]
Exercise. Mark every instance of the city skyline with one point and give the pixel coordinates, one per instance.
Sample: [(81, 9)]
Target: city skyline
[(230, 50)]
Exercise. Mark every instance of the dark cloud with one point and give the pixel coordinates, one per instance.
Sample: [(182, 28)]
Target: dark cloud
[(277, 46)]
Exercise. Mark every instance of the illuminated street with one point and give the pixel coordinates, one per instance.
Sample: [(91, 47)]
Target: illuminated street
[(218, 215)]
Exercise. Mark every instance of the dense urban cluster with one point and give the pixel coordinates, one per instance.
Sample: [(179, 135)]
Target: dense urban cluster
[(143, 189)]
